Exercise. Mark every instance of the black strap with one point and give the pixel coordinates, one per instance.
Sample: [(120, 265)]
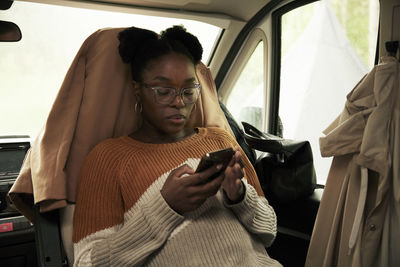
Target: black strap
[(239, 135)]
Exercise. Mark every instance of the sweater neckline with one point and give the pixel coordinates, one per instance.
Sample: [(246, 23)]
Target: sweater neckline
[(199, 132)]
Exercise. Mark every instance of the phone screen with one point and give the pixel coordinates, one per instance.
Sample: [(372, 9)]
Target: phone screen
[(223, 157)]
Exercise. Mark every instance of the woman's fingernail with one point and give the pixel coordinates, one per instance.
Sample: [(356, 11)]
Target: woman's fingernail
[(219, 166)]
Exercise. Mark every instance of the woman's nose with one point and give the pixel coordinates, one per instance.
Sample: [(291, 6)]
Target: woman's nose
[(178, 101)]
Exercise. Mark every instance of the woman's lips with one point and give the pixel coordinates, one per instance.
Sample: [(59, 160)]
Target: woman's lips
[(178, 118)]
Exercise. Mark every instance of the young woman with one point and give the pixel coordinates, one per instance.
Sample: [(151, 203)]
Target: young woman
[(140, 201)]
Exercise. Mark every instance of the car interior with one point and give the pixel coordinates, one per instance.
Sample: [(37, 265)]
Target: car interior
[(283, 66)]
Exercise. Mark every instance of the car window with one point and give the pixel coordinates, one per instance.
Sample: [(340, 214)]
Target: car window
[(326, 48), (245, 101), (32, 70)]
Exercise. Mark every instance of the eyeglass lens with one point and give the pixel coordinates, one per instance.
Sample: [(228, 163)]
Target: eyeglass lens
[(167, 95)]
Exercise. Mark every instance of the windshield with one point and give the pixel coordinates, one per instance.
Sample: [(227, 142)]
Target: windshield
[(32, 70)]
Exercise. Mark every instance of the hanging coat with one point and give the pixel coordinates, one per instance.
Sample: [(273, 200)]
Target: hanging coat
[(358, 222)]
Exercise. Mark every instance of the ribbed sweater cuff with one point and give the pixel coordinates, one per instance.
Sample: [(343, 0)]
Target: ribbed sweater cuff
[(246, 208), (255, 213)]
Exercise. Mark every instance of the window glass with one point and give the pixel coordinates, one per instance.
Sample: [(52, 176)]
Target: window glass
[(246, 101), (327, 47), (32, 70)]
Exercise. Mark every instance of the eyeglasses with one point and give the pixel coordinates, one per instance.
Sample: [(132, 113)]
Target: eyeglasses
[(165, 95)]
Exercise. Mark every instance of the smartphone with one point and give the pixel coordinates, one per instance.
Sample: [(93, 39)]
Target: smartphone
[(223, 157)]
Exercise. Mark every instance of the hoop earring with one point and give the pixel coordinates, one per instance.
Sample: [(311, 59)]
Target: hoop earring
[(138, 104)]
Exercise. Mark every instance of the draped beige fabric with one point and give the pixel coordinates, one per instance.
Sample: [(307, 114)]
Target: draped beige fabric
[(365, 142), (95, 102)]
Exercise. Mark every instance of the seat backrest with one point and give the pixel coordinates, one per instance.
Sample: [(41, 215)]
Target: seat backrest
[(66, 227), (49, 248)]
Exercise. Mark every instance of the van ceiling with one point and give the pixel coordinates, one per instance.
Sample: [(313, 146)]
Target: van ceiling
[(240, 9)]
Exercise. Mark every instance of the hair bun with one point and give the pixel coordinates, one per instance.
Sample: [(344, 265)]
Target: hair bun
[(131, 41), (188, 40)]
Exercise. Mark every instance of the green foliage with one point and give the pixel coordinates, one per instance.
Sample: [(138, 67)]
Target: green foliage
[(353, 15)]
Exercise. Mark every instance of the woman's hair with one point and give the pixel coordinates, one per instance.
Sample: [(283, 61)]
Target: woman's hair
[(138, 46)]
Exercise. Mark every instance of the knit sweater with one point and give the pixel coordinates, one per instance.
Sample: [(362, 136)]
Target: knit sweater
[(121, 218)]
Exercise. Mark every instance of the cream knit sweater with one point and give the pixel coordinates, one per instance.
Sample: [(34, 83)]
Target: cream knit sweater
[(121, 219)]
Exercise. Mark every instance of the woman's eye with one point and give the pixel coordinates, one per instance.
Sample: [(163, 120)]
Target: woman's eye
[(163, 91), (188, 92)]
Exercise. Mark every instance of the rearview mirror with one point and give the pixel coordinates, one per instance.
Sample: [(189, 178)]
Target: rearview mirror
[(9, 32)]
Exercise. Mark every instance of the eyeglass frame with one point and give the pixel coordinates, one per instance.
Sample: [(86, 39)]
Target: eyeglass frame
[(176, 92)]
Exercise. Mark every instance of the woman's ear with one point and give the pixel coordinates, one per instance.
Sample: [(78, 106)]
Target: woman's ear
[(136, 91)]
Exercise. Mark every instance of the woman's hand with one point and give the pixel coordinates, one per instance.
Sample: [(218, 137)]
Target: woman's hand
[(232, 184), (184, 190)]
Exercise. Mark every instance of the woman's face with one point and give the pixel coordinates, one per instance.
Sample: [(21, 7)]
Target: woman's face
[(173, 71)]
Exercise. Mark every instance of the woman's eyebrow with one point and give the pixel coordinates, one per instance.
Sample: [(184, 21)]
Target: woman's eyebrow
[(192, 79), (161, 78), (165, 79)]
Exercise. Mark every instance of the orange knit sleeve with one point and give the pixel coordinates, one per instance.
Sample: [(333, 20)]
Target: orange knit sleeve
[(99, 204)]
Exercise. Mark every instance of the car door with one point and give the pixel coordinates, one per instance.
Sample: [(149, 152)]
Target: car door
[(291, 76)]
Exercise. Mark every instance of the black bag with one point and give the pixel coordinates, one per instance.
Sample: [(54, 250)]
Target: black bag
[(286, 170)]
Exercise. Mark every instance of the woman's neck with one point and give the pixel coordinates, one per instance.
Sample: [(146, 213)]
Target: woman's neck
[(161, 138)]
